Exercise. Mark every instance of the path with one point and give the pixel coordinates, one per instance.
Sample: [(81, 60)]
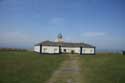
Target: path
[(69, 71)]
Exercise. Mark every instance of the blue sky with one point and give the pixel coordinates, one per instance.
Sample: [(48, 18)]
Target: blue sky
[(98, 22)]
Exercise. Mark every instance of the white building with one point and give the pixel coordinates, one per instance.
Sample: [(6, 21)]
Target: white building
[(59, 47)]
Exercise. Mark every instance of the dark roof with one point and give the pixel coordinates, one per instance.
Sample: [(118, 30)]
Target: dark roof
[(64, 44)]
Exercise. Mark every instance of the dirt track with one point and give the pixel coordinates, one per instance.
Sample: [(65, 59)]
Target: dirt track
[(69, 71)]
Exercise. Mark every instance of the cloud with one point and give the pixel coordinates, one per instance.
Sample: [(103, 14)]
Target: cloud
[(94, 34)]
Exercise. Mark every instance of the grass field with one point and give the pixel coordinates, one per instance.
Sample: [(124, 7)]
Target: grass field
[(30, 67), (27, 67), (103, 68)]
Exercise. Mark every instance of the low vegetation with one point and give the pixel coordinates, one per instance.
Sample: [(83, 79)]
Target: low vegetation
[(30, 67), (12, 49), (27, 67), (103, 68)]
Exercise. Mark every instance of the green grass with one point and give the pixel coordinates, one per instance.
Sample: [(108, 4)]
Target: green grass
[(27, 67), (30, 67), (103, 68)]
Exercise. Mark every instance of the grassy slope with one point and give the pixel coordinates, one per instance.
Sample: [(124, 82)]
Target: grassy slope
[(26, 67), (103, 68)]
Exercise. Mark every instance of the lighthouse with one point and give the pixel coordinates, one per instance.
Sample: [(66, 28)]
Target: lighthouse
[(59, 38)]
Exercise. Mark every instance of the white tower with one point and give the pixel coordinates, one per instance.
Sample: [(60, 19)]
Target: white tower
[(59, 38)]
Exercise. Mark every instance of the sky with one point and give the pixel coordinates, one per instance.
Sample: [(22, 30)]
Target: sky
[(101, 23)]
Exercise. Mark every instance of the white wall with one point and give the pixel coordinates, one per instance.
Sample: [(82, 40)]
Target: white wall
[(69, 49), (37, 48), (50, 49), (87, 50)]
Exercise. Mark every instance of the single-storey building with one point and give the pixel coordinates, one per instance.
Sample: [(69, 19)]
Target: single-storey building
[(59, 47)]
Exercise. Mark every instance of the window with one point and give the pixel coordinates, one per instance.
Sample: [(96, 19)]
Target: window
[(91, 51), (55, 50), (84, 50), (45, 49)]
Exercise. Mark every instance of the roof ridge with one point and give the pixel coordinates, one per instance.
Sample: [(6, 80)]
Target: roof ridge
[(65, 44)]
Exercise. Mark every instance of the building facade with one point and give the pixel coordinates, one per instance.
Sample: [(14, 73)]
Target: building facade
[(61, 47)]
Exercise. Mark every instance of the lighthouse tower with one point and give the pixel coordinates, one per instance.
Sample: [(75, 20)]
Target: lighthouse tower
[(59, 38)]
